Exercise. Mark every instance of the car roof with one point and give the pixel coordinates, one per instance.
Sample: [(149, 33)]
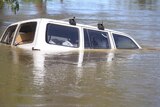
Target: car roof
[(66, 23)]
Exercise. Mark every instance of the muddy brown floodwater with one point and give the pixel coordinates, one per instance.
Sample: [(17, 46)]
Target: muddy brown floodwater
[(120, 78)]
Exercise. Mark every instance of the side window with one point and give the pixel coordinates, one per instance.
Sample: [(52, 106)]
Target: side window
[(62, 35), (26, 33), (96, 39), (123, 42), (8, 35)]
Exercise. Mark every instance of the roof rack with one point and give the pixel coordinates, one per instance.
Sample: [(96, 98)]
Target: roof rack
[(100, 26), (72, 21)]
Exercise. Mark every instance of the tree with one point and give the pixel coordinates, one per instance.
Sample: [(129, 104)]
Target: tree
[(13, 4)]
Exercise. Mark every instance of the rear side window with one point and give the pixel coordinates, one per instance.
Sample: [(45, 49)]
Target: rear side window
[(96, 39), (8, 35), (123, 42), (62, 35)]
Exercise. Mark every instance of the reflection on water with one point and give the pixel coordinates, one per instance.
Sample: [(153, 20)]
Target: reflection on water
[(90, 78)]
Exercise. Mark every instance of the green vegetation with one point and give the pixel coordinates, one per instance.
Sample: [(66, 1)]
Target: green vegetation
[(13, 4), (1, 4)]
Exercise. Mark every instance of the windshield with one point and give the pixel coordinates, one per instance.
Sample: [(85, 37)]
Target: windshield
[(8, 35)]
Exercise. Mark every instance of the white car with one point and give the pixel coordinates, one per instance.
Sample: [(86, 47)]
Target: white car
[(53, 35)]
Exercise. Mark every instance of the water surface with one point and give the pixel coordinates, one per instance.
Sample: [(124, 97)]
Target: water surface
[(120, 78)]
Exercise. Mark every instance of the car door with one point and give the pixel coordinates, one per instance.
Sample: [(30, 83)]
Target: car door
[(96, 39)]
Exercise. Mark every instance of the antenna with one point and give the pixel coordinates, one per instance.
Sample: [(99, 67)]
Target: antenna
[(100, 26), (72, 21)]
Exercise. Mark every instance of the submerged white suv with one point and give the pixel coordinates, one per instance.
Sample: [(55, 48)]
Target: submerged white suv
[(53, 35)]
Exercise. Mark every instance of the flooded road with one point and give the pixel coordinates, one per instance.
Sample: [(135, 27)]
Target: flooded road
[(120, 78)]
